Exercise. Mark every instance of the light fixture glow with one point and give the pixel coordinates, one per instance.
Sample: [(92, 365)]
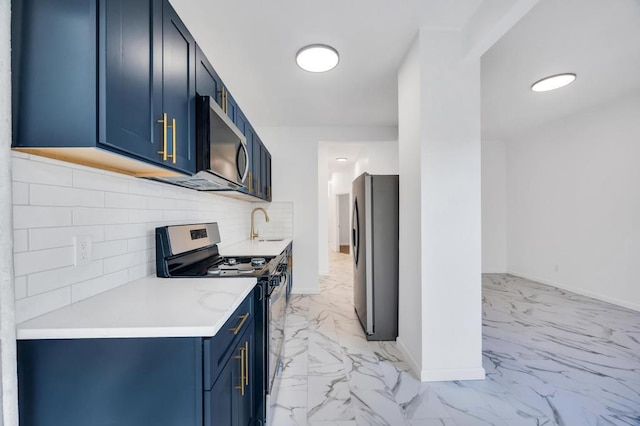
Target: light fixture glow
[(317, 58), (341, 159), (553, 82)]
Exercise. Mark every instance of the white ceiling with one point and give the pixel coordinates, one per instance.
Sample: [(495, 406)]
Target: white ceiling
[(252, 44), (599, 40)]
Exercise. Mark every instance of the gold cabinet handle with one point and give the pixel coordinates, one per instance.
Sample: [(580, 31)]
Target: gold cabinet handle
[(239, 326), (174, 131), (223, 101), (241, 357), (165, 126), (246, 363), (250, 182), (164, 136)]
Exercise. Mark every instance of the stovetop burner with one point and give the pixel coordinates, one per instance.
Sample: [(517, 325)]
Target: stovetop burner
[(231, 268)]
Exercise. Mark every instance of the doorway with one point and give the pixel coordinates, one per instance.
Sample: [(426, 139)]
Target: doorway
[(343, 204)]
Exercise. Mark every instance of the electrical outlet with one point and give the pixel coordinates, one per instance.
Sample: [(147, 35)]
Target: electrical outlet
[(82, 249), (556, 268)]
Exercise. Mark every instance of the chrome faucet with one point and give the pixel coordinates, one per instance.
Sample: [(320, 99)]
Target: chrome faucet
[(254, 234)]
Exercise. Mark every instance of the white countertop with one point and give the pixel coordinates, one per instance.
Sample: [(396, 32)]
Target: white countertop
[(150, 307), (254, 248)]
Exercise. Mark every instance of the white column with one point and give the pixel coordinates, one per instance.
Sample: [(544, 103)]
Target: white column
[(440, 248), (9, 388)]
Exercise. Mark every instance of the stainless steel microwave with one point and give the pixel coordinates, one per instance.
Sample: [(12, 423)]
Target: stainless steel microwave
[(222, 157), (221, 148)]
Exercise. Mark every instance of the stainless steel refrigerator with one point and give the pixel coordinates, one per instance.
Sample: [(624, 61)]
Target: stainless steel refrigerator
[(374, 246)]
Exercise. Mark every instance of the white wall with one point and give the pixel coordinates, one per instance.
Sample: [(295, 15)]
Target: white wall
[(8, 389), (574, 203), (297, 178), (410, 197), (439, 104), (339, 183), (494, 207)]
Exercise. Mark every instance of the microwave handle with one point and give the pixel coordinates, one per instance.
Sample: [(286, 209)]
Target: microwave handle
[(243, 147)]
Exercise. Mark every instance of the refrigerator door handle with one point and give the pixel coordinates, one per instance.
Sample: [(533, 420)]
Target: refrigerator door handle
[(368, 223), (355, 232)]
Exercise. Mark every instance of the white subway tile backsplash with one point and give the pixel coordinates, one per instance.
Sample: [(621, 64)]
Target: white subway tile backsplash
[(41, 260), (49, 195), (92, 216), (122, 232), (52, 279), (145, 187), (44, 238), (20, 193), (18, 154), (141, 243), (21, 287), (175, 215), (20, 240), (98, 285), (145, 216), (99, 180), (54, 201), (31, 307), (162, 203), (109, 249), (117, 200), (142, 270), (33, 171), (127, 260), (25, 217)]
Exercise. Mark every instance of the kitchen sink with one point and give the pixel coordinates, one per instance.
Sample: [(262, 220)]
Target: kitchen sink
[(270, 239)]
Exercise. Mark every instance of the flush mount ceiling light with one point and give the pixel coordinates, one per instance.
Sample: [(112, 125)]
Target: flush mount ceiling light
[(341, 159), (317, 58), (553, 82)]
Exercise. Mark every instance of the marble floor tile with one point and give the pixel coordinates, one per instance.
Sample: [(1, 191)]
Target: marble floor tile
[(376, 407), (551, 358)]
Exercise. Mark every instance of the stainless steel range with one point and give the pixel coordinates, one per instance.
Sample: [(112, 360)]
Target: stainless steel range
[(191, 251)]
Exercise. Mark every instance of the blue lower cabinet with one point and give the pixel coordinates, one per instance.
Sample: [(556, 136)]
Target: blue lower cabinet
[(231, 400), (100, 382), (165, 381)]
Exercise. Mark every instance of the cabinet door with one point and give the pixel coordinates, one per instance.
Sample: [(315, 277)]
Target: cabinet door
[(232, 107), (208, 83), (231, 400), (131, 51), (178, 89), (219, 407), (246, 403)]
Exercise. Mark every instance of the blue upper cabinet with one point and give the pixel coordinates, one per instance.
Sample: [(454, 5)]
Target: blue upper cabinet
[(178, 89), (129, 53), (231, 107), (126, 64), (208, 83)]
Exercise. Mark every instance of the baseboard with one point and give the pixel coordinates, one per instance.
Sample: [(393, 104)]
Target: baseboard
[(444, 375), (447, 375), (409, 359), (612, 300)]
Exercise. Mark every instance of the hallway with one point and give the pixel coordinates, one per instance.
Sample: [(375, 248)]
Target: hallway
[(551, 358)]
